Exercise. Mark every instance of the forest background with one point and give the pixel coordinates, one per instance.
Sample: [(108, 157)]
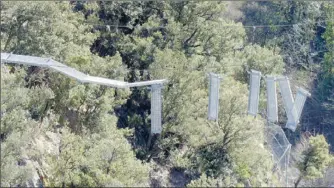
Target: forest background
[(57, 132)]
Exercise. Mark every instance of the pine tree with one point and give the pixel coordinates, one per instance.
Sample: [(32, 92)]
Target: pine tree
[(315, 160)]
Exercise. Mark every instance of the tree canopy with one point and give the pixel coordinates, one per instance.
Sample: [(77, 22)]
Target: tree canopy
[(58, 132)]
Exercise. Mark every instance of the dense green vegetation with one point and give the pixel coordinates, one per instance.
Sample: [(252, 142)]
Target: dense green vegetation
[(315, 159), (73, 134)]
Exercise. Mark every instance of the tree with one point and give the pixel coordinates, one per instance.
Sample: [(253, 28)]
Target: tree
[(205, 181), (178, 41), (322, 107), (315, 159), (102, 160), (296, 41), (327, 84), (19, 126), (52, 101)]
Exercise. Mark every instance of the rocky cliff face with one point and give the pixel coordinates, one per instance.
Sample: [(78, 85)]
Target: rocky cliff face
[(161, 176), (36, 161)]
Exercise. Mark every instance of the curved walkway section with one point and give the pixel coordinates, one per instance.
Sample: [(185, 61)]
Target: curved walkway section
[(71, 72)]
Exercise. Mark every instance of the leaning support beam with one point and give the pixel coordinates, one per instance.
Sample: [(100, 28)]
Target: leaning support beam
[(71, 72), (213, 97), (254, 92), (288, 100), (297, 109), (286, 93), (156, 108), (272, 109)]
